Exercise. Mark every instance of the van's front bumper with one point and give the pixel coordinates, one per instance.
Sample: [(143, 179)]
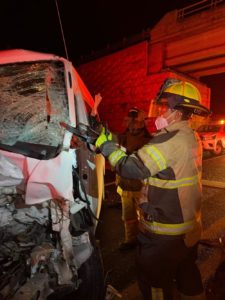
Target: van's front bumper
[(208, 145)]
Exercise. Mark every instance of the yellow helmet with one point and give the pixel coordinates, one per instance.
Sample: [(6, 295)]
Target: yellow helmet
[(183, 94)]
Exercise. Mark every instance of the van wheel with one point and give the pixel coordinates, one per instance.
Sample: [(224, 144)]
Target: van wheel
[(91, 275), (219, 148)]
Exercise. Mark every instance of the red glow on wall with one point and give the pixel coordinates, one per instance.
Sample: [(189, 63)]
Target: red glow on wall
[(124, 81)]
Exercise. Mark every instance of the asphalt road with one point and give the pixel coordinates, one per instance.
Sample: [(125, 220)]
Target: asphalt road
[(120, 266)]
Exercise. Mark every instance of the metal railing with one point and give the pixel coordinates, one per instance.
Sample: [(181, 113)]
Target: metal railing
[(197, 7)]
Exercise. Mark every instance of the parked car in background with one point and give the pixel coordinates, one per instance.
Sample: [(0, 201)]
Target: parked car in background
[(212, 137), (50, 191)]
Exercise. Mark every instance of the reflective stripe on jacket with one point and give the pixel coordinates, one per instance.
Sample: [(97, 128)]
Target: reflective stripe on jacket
[(167, 229)]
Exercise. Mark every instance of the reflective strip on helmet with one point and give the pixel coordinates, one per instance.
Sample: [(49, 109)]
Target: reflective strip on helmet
[(157, 156), (157, 293), (172, 184), (168, 229), (115, 156)]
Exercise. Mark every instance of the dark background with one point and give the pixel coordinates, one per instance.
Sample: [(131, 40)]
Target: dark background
[(88, 25)]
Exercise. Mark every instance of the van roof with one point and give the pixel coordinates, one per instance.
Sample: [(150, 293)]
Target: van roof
[(20, 55)]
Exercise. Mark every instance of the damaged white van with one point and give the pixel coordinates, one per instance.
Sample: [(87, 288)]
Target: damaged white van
[(50, 189)]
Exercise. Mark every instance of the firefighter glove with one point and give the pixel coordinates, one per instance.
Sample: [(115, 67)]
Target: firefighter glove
[(104, 136)]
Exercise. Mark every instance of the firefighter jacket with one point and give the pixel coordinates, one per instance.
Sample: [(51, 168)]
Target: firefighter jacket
[(170, 165)]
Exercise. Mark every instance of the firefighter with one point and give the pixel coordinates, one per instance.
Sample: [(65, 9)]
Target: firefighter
[(170, 220), (133, 138)]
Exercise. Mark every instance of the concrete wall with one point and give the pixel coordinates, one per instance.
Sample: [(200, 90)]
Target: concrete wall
[(123, 80), (186, 48), (194, 45)]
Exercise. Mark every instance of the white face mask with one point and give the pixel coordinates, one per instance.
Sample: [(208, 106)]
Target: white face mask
[(162, 122)]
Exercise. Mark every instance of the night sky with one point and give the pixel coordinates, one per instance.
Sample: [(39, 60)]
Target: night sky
[(88, 25)]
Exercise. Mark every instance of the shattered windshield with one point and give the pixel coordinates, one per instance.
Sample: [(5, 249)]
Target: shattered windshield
[(33, 100)]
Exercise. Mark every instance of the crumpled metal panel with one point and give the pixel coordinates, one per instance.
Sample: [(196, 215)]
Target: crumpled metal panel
[(34, 100), (10, 174), (35, 288)]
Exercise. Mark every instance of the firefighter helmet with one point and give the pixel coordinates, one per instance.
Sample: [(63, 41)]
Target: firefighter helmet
[(182, 94)]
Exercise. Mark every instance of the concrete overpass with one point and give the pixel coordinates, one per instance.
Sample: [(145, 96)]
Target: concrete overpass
[(191, 40), (185, 44)]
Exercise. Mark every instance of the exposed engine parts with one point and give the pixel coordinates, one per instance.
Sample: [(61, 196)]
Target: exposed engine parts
[(35, 260)]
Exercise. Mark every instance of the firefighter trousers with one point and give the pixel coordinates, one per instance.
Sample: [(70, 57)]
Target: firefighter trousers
[(164, 262), (129, 213)]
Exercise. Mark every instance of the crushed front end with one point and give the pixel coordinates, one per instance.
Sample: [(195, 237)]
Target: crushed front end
[(49, 190)]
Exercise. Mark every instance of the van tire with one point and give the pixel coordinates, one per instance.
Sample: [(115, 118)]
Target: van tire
[(219, 149), (91, 275)]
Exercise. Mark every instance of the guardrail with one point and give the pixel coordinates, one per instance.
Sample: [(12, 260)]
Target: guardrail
[(197, 7)]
